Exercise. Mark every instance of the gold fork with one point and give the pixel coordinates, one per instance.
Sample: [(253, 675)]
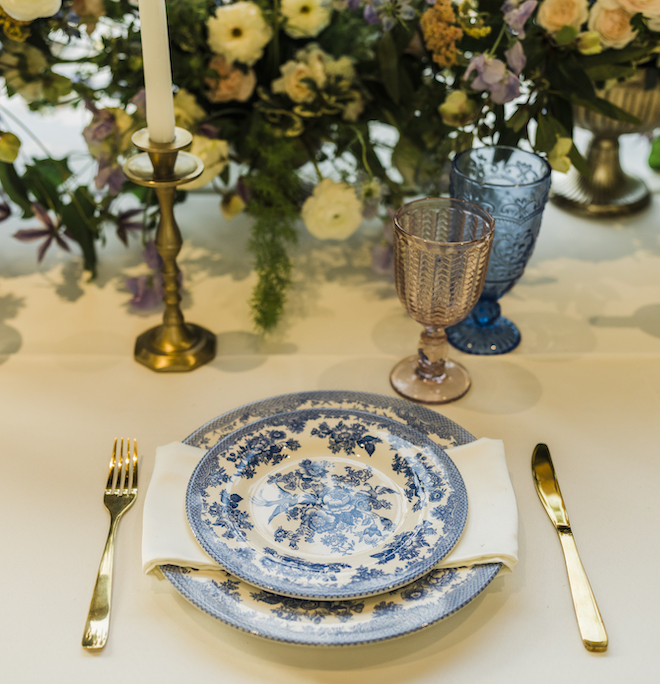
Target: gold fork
[(120, 494)]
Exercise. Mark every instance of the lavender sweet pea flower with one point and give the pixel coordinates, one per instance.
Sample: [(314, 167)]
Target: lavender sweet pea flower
[(353, 4), (515, 57), (493, 76), (101, 126), (516, 15), (388, 12), (109, 174)]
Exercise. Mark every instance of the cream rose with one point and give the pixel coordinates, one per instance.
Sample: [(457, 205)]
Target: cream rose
[(239, 32), (553, 15), (231, 83), (305, 18), (612, 23), (28, 10), (333, 212), (649, 8), (292, 82), (215, 155)]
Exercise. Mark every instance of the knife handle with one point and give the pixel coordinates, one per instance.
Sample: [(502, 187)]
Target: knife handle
[(588, 616)]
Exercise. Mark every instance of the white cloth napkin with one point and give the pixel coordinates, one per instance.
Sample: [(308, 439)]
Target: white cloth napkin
[(490, 534)]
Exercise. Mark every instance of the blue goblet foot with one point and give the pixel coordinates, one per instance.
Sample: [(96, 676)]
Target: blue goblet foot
[(484, 331)]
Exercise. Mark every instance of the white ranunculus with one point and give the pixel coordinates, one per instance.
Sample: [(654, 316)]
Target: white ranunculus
[(553, 15), (612, 23), (333, 212), (215, 155), (28, 10), (239, 32), (305, 18)]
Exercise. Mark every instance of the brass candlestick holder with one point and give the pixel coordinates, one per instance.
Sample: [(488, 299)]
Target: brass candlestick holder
[(175, 345)]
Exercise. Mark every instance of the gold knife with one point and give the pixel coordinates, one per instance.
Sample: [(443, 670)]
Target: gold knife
[(588, 616)]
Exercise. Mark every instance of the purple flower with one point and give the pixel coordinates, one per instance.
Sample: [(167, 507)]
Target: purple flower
[(354, 4), (101, 126), (151, 256), (147, 291), (493, 76), (516, 15), (140, 102), (5, 210), (126, 224), (50, 231), (388, 12), (109, 174), (515, 57)]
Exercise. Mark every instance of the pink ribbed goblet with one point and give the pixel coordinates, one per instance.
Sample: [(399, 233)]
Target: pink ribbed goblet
[(441, 250)]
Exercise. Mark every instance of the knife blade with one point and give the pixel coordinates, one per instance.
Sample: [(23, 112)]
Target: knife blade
[(590, 622)]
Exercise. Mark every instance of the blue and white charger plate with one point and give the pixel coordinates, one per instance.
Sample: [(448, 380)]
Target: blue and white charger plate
[(325, 503), (435, 596)]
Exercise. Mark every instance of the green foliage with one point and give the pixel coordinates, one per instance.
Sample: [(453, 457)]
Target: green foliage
[(360, 74)]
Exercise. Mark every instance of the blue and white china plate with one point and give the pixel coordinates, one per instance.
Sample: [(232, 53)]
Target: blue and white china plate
[(325, 503), (429, 599)]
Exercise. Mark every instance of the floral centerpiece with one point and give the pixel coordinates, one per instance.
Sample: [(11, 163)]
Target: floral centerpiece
[(288, 101)]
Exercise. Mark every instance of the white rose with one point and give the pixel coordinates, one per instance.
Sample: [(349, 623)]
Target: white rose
[(305, 18), (333, 212), (215, 155), (28, 10), (649, 8), (553, 15), (239, 32), (292, 81), (612, 23)]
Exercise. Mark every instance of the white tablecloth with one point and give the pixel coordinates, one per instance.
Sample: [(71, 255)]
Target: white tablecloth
[(586, 380)]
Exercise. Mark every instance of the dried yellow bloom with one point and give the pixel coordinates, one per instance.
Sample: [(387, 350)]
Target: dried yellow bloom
[(441, 33)]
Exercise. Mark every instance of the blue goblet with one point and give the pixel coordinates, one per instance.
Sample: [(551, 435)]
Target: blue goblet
[(512, 185)]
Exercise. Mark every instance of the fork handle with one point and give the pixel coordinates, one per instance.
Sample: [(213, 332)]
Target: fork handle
[(98, 617)]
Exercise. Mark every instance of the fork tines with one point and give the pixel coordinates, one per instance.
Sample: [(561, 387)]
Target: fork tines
[(128, 466)]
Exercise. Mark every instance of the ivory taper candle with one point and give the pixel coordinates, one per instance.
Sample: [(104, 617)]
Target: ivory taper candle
[(157, 70)]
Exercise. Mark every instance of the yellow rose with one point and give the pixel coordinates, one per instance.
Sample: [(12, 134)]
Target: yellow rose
[(292, 82)]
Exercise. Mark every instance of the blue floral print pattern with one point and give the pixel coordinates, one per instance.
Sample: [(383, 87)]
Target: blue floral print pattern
[(399, 612), (326, 503)]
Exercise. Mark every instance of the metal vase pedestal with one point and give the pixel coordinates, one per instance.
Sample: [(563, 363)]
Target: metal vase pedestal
[(609, 191)]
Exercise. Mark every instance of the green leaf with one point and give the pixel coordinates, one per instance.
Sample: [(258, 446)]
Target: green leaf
[(566, 35), (604, 72), (547, 132), (82, 225), (388, 60), (519, 119), (605, 108), (15, 188), (579, 162), (42, 186)]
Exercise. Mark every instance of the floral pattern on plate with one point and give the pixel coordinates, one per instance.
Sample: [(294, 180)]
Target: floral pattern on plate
[(332, 623), (327, 504)]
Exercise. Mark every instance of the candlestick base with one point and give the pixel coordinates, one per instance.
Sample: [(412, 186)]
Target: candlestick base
[(156, 350), (175, 345)]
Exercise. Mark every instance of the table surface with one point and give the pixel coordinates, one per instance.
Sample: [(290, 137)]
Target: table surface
[(585, 380)]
